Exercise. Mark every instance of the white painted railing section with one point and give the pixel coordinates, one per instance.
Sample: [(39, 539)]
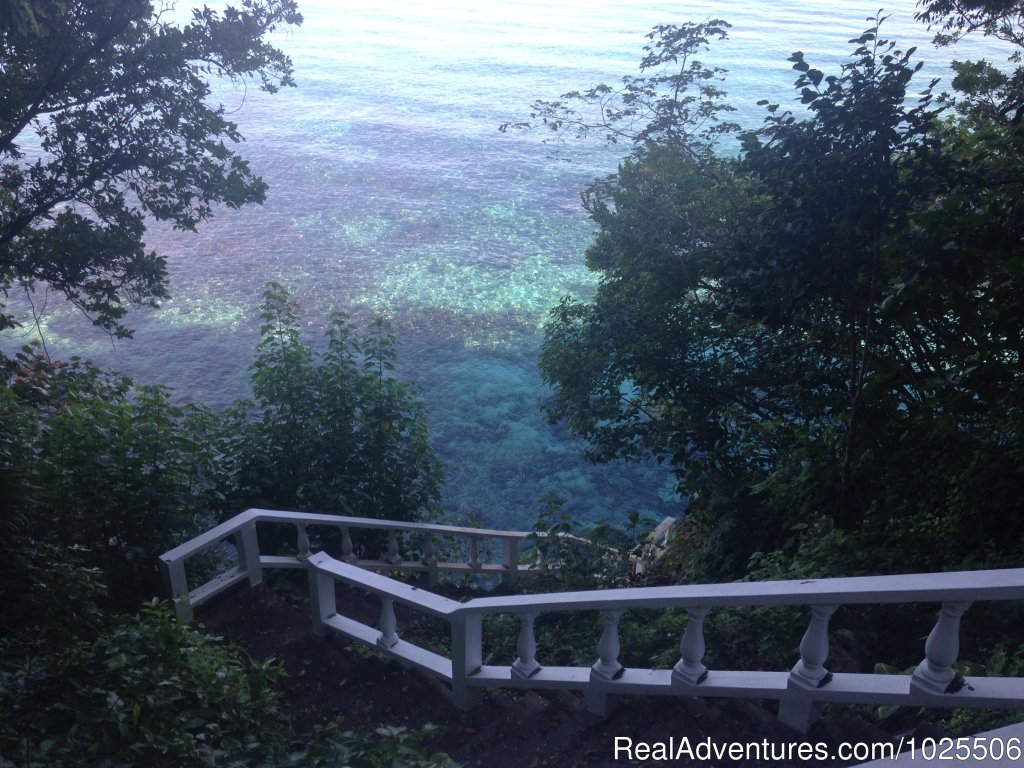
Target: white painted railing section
[(800, 691)]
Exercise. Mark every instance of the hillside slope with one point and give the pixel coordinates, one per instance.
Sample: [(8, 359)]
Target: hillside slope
[(330, 678)]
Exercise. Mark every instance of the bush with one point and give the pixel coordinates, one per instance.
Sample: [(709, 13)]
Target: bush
[(146, 691), (149, 692), (331, 432), (92, 463)]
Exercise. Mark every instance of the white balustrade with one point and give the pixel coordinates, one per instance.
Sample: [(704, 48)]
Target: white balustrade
[(607, 666), (810, 671), (526, 666), (542, 560), (467, 657), (392, 556), (429, 556), (388, 636), (242, 530), (690, 669), (799, 691), (935, 674), (509, 560), (249, 553), (347, 553)]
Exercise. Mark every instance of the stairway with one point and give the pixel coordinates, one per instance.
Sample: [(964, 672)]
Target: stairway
[(331, 677)]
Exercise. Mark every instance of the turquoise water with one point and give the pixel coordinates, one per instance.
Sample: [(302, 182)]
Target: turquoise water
[(392, 191)]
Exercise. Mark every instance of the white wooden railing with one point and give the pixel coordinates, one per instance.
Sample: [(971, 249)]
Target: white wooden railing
[(800, 691), (473, 543)]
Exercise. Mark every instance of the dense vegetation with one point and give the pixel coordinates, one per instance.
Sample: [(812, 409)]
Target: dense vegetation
[(99, 476), (106, 119), (821, 334)]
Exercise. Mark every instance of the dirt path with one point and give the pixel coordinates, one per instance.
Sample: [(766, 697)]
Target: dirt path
[(330, 678)]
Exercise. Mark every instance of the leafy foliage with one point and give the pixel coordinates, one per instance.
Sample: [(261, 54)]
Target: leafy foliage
[(674, 100), (107, 119), (106, 473), (99, 476), (823, 330), (594, 557), (1001, 18), (116, 474), (145, 690), (334, 432)]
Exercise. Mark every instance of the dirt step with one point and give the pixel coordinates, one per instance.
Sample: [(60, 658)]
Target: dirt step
[(331, 678)]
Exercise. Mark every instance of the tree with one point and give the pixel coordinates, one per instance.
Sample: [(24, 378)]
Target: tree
[(334, 432), (825, 325), (1001, 18), (106, 120), (675, 100)]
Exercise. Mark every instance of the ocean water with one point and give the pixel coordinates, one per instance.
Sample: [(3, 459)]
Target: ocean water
[(392, 191)]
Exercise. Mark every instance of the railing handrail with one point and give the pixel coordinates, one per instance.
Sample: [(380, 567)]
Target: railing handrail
[(948, 586), (255, 515), (1007, 584), (251, 562), (383, 586), (933, 683)]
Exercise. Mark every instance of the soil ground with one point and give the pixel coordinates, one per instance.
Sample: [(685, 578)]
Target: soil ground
[(330, 678)]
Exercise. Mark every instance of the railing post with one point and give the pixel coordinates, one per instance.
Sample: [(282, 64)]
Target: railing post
[(347, 555), (510, 559), (526, 665), (541, 563), (935, 674), (800, 710), (690, 670), (392, 556), (174, 572), (474, 553), (249, 553), (388, 636), (430, 560), (302, 541), (322, 601), (809, 672), (607, 668), (467, 655)]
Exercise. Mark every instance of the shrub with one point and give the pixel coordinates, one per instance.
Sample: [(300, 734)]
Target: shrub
[(331, 432)]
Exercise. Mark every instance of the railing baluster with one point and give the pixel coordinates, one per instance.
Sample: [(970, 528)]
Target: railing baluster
[(393, 556), (430, 560), (510, 559), (690, 670), (809, 671), (429, 556), (799, 699), (249, 553), (467, 655), (935, 674), (174, 571), (388, 636), (526, 665), (607, 666), (347, 555), (322, 600)]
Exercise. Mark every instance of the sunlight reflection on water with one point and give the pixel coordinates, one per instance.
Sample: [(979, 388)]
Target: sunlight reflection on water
[(392, 191)]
